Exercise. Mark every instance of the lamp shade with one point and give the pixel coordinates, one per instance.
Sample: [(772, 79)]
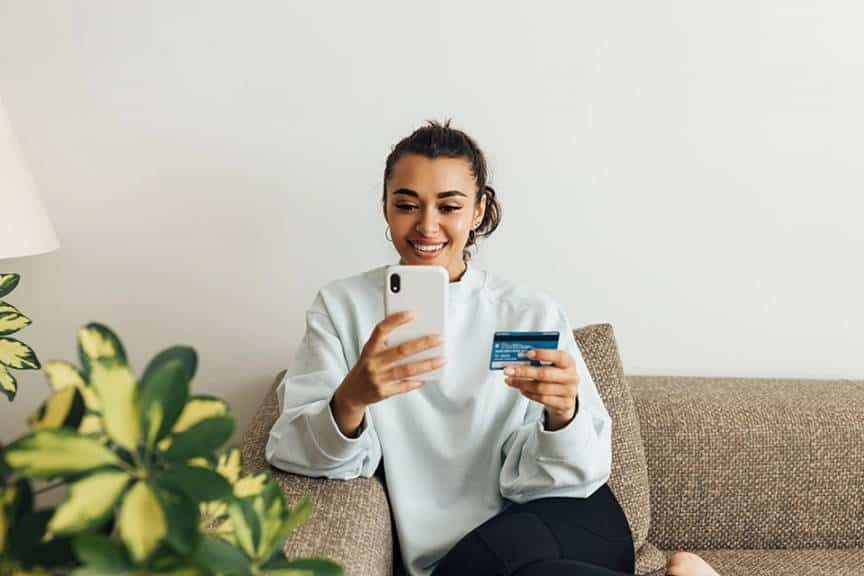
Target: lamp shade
[(24, 225)]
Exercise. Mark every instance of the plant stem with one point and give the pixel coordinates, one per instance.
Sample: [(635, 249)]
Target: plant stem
[(49, 487)]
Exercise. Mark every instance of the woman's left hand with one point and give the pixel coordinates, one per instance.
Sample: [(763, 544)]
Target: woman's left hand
[(555, 386)]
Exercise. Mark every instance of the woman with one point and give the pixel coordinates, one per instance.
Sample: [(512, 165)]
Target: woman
[(487, 472)]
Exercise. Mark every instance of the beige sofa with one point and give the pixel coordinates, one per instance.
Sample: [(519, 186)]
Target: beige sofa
[(757, 476)]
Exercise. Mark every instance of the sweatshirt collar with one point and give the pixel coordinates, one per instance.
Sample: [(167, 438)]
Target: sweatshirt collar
[(471, 280)]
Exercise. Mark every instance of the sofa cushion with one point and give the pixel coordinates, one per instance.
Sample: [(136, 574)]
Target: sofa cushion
[(753, 463), (629, 478), (801, 562)]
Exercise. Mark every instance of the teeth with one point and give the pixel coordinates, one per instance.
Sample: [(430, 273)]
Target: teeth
[(428, 247)]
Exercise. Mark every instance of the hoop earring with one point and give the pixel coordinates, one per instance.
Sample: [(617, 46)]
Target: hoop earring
[(386, 232)]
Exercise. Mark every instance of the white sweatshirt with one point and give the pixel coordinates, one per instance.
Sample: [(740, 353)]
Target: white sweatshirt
[(456, 451)]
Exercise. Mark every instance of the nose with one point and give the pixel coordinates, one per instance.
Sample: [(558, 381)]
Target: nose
[(427, 225)]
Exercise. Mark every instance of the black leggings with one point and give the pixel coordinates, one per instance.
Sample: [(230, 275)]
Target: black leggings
[(549, 536)]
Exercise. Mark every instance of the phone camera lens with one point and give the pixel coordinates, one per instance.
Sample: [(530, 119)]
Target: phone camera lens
[(395, 283)]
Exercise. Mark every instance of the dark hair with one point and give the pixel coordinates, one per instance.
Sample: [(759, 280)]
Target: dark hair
[(435, 140)]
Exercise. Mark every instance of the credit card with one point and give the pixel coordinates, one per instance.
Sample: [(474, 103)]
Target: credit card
[(510, 347)]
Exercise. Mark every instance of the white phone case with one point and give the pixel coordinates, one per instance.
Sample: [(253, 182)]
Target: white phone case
[(423, 291)]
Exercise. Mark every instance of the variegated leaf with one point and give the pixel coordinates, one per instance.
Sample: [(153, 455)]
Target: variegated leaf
[(52, 453), (142, 521), (229, 465), (8, 282), (250, 485), (7, 383), (18, 355), (97, 342), (272, 515), (63, 409), (88, 502), (199, 408), (202, 439), (91, 425), (7, 496), (247, 531), (62, 374), (117, 391), (11, 319)]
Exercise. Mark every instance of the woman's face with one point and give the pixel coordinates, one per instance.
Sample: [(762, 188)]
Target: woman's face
[(430, 207)]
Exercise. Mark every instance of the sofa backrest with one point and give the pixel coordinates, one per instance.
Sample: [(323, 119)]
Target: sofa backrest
[(753, 463)]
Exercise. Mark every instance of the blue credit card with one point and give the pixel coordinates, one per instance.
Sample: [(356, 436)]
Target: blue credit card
[(510, 347)]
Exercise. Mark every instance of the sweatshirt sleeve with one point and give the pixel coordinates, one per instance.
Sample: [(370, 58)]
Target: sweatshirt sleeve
[(573, 461), (305, 438)]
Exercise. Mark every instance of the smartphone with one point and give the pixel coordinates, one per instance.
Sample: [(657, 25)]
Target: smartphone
[(422, 290)]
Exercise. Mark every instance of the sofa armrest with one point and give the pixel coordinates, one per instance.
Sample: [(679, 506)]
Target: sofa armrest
[(350, 520), (753, 463)]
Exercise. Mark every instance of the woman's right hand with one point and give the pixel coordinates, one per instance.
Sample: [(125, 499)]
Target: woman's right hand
[(375, 376)]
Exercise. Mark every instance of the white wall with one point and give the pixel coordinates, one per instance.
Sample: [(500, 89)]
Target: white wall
[(687, 171)]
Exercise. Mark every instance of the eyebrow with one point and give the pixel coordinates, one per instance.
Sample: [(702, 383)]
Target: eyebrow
[(446, 194)]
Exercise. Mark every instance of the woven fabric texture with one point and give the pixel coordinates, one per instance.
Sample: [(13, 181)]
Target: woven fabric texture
[(350, 520), (629, 478), (753, 463)]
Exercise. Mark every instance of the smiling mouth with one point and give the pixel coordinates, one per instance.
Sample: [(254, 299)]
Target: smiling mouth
[(427, 250)]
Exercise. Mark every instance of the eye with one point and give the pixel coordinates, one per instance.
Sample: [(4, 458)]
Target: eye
[(448, 209), (405, 207)]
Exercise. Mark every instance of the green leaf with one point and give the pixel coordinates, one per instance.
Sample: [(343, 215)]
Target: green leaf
[(182, 516), (220, 557), (62, 375), (11, 319), (100, 571), (88, 502), (97, 551), (115, 385), (198, 408), (247, 530), (202, 439), (98, 343), (8, 282), (15, 500), (63, 409), (5, 471), (15, 354), (164, 392), (52, 453), (199, 484), (27, 541), (183, 354), (270, 506), (315, 566), (142, 521), (299, 514), (7, 383)]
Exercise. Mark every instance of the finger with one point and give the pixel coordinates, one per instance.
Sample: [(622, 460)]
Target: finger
[(559, 358), (413, 368), (390, 356), (545, 373), (383, 328), (403, 386), (544, 388), (554, 402)]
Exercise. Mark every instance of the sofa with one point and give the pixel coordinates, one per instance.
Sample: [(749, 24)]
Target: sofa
[(759, 476)]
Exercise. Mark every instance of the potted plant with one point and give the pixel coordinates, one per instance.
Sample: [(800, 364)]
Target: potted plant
[(147, 490)]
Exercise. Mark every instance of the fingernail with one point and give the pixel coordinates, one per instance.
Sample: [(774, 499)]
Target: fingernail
[(531, 354), (509, 371)]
